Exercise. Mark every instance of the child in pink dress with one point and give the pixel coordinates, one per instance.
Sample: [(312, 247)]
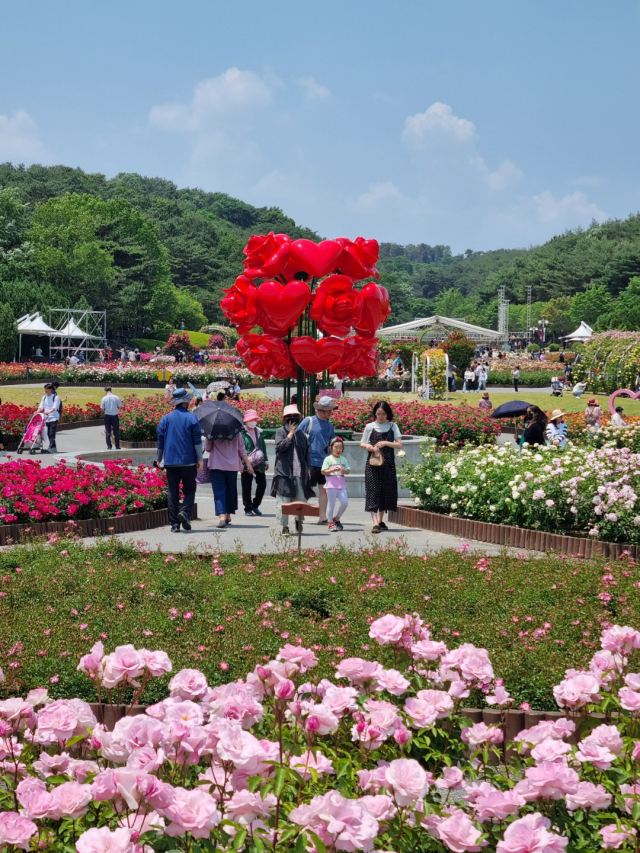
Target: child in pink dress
[(334, 468)]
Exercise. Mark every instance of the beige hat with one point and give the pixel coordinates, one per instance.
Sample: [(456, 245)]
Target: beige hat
[(291, 410), (556, 413), (485, 394)]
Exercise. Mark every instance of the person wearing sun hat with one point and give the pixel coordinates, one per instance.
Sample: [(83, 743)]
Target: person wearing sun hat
[(593, 415), (557, 429), (291, 471), (180, 445), (319, 430), (255, 445), (484, 403)]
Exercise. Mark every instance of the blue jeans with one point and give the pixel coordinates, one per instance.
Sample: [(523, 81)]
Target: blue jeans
[(225, 491)]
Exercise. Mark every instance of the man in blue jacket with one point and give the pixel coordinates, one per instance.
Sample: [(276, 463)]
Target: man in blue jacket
[(180, 444)]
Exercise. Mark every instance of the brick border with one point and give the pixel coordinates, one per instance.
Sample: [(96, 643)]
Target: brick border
[(137, 445), (91, 526), (515, 537)]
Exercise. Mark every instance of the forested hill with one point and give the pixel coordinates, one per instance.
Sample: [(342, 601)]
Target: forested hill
[(66, 235), (153, 254)]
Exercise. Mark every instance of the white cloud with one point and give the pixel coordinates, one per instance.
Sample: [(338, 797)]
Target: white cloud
[(504, 176), (379, 195), (215, 100), (575, 206), (19, 138), (313, 91), (435, 124)]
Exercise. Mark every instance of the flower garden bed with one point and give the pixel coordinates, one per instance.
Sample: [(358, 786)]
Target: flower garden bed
[(580, 491), (447, 424), (30, 493), (381, 753), (14, 418)]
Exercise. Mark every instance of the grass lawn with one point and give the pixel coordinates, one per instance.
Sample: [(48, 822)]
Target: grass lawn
[(536, 617), (567, 403), (80, 396)]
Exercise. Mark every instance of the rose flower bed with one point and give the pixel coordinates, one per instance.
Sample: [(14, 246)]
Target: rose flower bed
[(30, 492), (14, 418), (378, 756), (575, 491), (457, 425)]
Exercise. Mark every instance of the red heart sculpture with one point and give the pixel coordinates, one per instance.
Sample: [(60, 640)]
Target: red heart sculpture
[(279, 307), (359, 358), (316, 259), (265, 356), (375, 309), (315, 356), (358, 260)]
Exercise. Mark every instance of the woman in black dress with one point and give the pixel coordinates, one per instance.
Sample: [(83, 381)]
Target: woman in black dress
[(381, 438)]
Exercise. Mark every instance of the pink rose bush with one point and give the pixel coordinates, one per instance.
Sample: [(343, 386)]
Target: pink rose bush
[(381, 758)]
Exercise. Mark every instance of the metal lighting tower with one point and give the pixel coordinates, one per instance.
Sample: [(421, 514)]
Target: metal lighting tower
[(503, 317), (528, 313)]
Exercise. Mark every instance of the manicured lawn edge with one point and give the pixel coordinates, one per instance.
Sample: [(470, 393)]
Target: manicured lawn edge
[(515, 537), (12, 533)]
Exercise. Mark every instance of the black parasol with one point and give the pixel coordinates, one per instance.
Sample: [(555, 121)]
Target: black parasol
[(512, 409), (219, 419)]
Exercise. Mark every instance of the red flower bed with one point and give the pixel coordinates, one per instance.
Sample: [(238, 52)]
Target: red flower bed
[(29, 492), (14, 418)]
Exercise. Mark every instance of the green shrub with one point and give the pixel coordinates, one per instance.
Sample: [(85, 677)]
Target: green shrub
[(554, 348), (242, 608), (533, 348)]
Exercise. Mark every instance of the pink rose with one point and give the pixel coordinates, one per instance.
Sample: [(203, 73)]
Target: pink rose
[(550, 749), (500, 696), (549, 780), (16, 830), (631, 794), (156, 663), (588, 796), (326, 722), (387, 630), (308, 761), (608, 736), (530, 834), (629, 699), (427, 650), (600, 756), (284, 689), (620, 639), (339, 699), (441, 701), (452, 777), (636, 751), (191, 811), (339, 822), (72, 799), (380, 805), (188, 684), (392, 681), (51, 765), (155, 792), (124, 665), (244, 807), (357, 670), (481, 733), (239, 747), (497, 805), (104, 841), (35, 800), (577, 690), (305, 659), (90, 664), (613, 838), (407, 780), (422, 714), (458, 833)]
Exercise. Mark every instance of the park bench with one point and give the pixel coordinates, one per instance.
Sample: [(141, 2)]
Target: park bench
[(300, 510)]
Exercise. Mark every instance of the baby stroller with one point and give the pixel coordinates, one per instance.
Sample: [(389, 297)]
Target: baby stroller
[(32, 438), (556, 386)]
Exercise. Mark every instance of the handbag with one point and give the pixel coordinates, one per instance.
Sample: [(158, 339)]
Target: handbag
[(376, 461), (256, 457), (204, 475)]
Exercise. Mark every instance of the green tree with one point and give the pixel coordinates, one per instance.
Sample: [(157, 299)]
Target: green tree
[(626, 311), (189, 310), (590, 305), (557, 312), (15, 253), (8, 333)]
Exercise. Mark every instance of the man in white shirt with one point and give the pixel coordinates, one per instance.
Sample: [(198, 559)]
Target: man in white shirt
[(110, 405), (50, 407), (73, 361)]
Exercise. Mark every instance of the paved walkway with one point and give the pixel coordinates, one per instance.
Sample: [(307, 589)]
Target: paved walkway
[(257, 534)]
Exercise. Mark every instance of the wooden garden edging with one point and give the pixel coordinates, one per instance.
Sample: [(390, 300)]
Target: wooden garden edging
[(137, 445), (514, 537), (131, 523)]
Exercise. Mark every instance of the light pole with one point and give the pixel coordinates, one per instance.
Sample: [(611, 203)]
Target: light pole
[(543, 329)]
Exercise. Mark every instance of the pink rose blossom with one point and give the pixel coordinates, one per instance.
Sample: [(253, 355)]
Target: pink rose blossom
[(550, 749), (631, 794), (458, 833), (441, 701), (125, 664), (156, 663), (497, 805), (188, 684), (191, 811), (481, 733), (588, 796), (620, 639), (103, 840), (629, 699), (388, 630), (427, 650), (577, 690), (380, 805), (339, 822), (452, 777), (357, 670), (309, 761), (407, 781), (613, 838), (392, 681), (244, 807), (72, 799), (16, 830), (305, 659), (549, 780), (530, 834)]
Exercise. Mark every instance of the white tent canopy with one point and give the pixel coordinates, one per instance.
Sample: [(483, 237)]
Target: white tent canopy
[(33, 324), (582, 333), (72, 330), (415, 328)]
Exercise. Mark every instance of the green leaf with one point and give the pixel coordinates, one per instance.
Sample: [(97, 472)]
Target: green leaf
[(320, 845), (279, 781), (238, 841), (635, 811)]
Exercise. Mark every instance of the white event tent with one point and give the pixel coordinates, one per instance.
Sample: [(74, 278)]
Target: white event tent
[(582, 334)]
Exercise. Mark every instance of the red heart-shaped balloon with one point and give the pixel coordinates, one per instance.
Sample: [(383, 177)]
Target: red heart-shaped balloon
[(375, 309), (315, 356), (316, 259), (280, 306)]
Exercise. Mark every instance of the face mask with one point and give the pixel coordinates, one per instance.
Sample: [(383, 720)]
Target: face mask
[(252, 424)]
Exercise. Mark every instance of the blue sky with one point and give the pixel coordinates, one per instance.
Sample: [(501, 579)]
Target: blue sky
[(476, 124)]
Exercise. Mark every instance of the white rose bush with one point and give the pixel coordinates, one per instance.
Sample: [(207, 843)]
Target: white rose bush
[(380, 757), (577, 491)]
